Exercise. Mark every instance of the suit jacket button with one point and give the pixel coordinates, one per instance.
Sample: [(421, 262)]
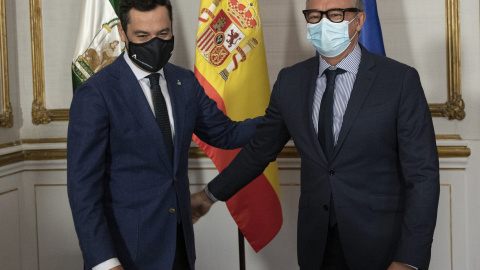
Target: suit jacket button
[(172, 210), (174, 178), (325, 207), (331, 172)]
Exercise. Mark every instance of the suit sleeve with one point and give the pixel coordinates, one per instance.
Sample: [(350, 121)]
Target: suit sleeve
[(419, 163), (88, 134), (215, 128), (269, 139)]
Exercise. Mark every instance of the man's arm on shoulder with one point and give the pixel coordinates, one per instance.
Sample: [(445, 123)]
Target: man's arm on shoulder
[(270, 137), (215, 128), (419, 163), (88, 133)]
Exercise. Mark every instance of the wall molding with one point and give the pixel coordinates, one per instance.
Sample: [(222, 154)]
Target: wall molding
[(449, 186), (452, 150), (8, 191)]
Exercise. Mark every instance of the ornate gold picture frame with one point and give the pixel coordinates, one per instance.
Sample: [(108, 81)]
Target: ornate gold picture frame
[(453, 108), (40, 113), (6, 115)]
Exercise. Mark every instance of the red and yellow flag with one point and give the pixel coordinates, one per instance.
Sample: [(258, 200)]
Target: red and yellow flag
[(231, 65)]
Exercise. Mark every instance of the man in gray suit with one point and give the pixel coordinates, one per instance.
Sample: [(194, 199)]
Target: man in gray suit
[(363, 129)]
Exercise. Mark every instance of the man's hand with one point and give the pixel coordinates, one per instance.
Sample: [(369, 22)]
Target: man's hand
[(399, 266), (117, 268), (200, 205)]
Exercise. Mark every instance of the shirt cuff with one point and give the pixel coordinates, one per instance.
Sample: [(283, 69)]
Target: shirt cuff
[(107, 265), (412, 266), (210, 195)]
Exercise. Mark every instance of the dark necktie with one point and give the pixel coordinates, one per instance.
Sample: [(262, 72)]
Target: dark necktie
[(325, 117), (325, 128), (161, 113)]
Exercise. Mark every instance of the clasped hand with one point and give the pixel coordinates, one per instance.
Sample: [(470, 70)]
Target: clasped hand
[(200, 204)]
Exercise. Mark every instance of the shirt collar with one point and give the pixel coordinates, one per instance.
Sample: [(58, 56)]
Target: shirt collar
[(139, 73), (349, 63)]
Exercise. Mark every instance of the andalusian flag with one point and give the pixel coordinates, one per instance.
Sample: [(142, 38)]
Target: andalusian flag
[(98, 41), (231, 65)]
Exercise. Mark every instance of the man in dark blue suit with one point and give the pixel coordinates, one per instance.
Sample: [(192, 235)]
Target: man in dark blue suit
[(363, 129), (130, 130)]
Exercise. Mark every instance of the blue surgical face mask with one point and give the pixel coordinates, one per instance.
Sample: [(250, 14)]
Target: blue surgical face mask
[(329, 38)]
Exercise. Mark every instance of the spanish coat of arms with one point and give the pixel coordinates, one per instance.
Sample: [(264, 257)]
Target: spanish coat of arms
[(226, 32)]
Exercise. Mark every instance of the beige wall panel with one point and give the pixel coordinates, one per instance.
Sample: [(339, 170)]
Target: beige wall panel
[(216, 240), (59, 16), (414, 33), (57, 241), (472, 198), (185, 23), (10, 257), (453, 189), (442, 242)]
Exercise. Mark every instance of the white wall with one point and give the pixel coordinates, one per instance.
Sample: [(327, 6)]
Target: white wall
[(10, 254)]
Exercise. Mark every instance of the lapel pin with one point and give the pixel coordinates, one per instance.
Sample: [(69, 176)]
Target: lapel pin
[(179, 82)]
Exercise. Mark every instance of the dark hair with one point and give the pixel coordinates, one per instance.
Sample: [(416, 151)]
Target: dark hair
[(140, 5)]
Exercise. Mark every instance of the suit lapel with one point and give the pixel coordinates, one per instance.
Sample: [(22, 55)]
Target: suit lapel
[(313, 68), (361, 88), (139, 107), (177, 98)]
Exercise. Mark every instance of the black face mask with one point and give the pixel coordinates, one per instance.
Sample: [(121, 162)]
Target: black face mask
[(151, 55)]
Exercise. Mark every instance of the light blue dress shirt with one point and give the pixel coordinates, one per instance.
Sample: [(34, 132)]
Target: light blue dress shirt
[(343, 88)]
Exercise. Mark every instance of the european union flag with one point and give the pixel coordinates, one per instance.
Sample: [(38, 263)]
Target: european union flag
[(371, 35)]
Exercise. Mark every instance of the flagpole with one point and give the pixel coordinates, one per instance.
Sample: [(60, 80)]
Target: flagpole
[(241, 249)]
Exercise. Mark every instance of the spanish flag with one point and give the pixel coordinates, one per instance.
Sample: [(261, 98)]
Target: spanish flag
[(231, 66)]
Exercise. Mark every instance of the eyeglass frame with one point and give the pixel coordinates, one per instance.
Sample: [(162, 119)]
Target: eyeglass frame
[(343, 10)]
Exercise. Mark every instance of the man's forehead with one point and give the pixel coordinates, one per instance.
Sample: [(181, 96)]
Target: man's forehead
[(160, 12), (330, 3), (153, 17)]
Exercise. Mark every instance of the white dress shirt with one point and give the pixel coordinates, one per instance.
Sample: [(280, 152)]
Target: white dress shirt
[(145, 84)]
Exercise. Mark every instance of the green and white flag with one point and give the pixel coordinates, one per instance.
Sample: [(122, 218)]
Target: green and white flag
[(98, 41)]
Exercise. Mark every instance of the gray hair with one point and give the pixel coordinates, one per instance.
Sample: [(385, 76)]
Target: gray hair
[(356, 3)]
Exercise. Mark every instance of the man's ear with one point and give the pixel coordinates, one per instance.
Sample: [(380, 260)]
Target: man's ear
[(360, 20), (122, 33)]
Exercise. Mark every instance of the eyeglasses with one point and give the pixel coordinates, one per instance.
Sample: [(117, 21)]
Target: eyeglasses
[(336, 15)]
